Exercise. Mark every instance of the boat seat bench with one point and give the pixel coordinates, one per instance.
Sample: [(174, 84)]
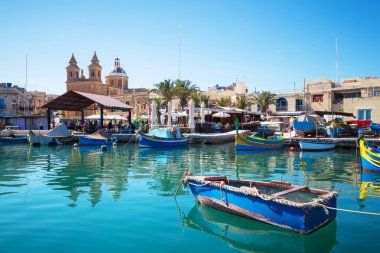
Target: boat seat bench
[(294, 189)]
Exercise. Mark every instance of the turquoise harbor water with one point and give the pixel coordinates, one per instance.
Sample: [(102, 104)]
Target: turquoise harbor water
[(61, 199)]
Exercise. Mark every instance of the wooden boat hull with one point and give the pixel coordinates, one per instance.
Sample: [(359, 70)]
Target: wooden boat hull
[(88, 141), (248, 202), (369, 156), (316, 145), (253, 143), (146, 141)]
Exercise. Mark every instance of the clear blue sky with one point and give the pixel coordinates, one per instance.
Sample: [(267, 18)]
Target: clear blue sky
[(268, 44)]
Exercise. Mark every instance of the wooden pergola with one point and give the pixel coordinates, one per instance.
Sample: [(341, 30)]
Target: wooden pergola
[(78, 101)]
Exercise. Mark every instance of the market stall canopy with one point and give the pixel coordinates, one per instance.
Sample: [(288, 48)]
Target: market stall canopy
[(106, 117), (322, 113), (221, 115), (77, 100)]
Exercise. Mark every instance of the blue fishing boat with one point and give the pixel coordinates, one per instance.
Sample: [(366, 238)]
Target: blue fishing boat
[(13, 139), (162, 138), (369, 156), (98, 138), (316, 145), (296, 208)]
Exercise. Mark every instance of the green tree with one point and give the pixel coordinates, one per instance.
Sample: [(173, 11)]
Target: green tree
[(223, 102), (242, 102), (264, 99), (199, 97), (183, 90), (165, 90)]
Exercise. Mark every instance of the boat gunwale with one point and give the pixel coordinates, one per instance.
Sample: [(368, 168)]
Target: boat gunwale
[(323, 195)]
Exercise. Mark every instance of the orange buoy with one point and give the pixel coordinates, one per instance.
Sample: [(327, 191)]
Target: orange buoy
[(291, 148)]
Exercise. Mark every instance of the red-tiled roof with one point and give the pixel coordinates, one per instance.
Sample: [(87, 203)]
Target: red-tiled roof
[(77, 100)]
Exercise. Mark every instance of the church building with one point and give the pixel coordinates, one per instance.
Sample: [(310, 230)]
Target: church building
[(116, 84)]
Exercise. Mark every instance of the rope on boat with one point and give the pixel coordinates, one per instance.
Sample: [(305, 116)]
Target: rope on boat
[(347, 210), (133, 137)]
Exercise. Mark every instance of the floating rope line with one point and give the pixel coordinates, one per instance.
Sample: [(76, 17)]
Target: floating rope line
[(347, 210)]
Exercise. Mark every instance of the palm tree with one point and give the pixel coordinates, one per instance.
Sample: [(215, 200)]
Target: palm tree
[(199, 97), (242, 102), (264, 99), (223, 102), (165, 90), (184, 89)]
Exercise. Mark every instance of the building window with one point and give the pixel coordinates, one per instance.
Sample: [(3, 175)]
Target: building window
[(111, 82), (317, 98), (365, 114), (127, 102), (299, 105), (352, 95), (119, 83), (282, 104), (258, 108), (2, 103), (92, 74)]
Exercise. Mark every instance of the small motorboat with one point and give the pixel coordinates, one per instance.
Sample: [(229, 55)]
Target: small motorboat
[(56, 136), (162, 138), (253, 142), (13, 139), (316, 145), (296, 208)]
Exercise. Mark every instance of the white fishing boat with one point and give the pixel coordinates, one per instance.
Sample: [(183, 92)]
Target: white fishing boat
[(214, 138), (316, 145), (56, 136)]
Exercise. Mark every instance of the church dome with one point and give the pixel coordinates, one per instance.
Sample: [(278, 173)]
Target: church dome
[(117, 70)]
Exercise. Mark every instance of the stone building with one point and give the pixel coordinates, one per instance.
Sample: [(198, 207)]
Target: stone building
[(359, 96)]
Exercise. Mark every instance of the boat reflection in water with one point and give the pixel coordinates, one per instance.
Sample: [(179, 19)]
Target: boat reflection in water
[(314, 160), (370, 185), (252, 236)]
